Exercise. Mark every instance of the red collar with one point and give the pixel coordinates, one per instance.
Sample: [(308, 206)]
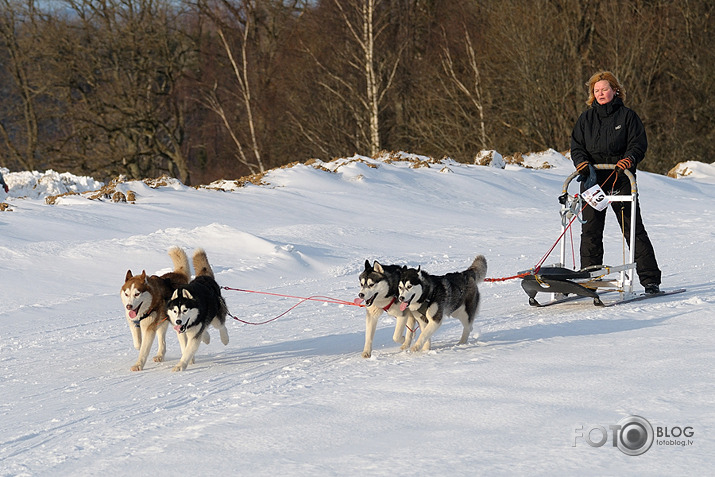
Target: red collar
[(390, 304)]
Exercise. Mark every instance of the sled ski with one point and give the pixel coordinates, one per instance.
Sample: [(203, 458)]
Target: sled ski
[(630, 299), (645, 296)]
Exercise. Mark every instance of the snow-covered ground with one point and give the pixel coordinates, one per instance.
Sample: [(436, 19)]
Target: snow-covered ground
[(294, 396)]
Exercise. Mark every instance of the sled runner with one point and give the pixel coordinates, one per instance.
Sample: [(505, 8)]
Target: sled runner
[(564, 284)]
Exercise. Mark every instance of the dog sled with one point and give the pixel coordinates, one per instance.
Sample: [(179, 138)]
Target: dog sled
[(564, 284)]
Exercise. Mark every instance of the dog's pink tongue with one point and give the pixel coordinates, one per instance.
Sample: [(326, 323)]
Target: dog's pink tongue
[(132, 314), (403, 306), (177, 328), (358, 301)]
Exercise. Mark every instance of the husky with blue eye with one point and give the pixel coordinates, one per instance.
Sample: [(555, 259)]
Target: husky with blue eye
[(432, 297), (194, 307)]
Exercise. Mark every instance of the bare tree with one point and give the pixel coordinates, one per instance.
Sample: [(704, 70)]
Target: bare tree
[(22, 48), (246, 40), (473, 92), (242, 14), (122, 65), (359, 73), (540, 65)]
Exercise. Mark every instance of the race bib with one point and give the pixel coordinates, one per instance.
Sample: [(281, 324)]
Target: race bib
[(595, 197)]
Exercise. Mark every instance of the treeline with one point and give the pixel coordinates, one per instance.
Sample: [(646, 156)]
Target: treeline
[(207, 89)]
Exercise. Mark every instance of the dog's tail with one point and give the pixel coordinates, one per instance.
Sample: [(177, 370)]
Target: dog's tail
[(201, 264), (181, 262), (479, 268)]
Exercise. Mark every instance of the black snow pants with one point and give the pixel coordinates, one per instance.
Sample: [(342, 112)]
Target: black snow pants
[(592, 235)]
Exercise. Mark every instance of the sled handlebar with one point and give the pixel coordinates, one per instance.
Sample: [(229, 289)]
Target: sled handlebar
[(608, 167)]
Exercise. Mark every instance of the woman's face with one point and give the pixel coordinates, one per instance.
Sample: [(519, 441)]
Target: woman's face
[(603, 92)]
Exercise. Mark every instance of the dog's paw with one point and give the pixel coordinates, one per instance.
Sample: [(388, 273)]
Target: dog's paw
[(158, 359), (399, 339), (420, 347), (137, 367), (178, 367), (366, 354)]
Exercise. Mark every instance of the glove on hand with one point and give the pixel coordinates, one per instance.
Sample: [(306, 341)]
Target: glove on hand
[(624, 164), (7, 189), (583, 170)]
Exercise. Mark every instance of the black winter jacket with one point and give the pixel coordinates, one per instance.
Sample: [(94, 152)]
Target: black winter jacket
[(605, 134)]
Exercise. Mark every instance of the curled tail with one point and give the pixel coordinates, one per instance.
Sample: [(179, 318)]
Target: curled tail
[(479, 267), (181, 262), (201, 264)]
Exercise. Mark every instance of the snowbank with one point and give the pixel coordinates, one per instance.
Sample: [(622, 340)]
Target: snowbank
[(38, 185), (694, 170)]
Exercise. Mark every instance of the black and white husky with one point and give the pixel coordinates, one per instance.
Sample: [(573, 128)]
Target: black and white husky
[(194, 307), (378, 289), (431, 297)]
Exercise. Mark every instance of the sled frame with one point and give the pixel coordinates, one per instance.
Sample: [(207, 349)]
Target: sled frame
[(624, 282)]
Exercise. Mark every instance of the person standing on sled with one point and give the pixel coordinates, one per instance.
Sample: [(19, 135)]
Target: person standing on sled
[(610, 133)]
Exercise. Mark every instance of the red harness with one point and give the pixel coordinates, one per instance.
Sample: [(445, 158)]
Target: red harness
[(394, 299)]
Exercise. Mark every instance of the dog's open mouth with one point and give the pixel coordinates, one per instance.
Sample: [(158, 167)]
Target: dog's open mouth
[(133, 312), (180, 328), (368, 302), (405, 304)]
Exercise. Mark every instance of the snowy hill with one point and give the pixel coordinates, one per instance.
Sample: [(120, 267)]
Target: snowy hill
[(294, 396)]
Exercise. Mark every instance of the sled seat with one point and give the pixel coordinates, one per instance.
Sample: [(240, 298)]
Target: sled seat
[(561, 273)]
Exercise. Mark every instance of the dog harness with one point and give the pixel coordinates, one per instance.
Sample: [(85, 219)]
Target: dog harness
[(138, 321), (392, 302)]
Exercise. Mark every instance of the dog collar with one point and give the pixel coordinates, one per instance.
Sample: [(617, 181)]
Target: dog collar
[(392, 302), (139, 320), (145, 315)]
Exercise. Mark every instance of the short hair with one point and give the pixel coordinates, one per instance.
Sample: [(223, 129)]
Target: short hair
[(612, 80)]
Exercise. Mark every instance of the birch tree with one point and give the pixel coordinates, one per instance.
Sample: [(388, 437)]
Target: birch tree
[(361, 71)]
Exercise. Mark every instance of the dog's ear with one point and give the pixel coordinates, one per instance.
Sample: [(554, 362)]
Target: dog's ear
[(129, 275), (143, 275), (186, 294), (378, 268), (175, 295), (367, 265)]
